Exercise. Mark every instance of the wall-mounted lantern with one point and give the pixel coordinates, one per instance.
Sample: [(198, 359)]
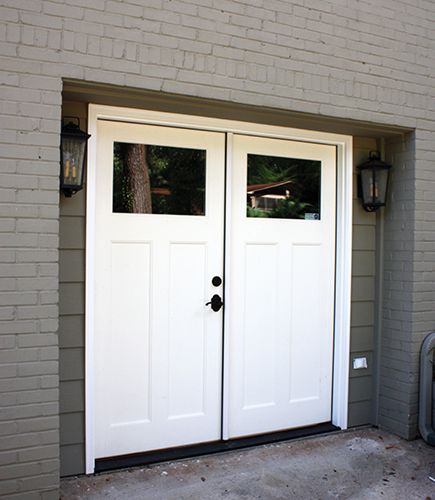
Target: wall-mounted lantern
[(373, 182), (72, 154)]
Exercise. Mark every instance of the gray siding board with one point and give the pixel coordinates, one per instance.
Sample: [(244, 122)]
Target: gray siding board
[(72, 427), (362, 314), (71, 266), (72, 459), (360, 412), (361, 389), (364, 237), (360, 216), (363, 288), (76, 205), (72, 232), (362, 339), (72, 396), (72, 331), (363, 263), (72, 298), (72, 364)]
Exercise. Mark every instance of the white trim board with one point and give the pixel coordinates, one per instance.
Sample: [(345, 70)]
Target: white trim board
[(343, 144)]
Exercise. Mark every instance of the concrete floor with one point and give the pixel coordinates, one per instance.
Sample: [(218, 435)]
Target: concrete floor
[(362, 464)]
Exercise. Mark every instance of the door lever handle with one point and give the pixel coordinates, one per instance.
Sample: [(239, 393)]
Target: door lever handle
[(215, 302)]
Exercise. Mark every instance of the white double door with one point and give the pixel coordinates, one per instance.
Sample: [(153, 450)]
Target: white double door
[(166, 372)]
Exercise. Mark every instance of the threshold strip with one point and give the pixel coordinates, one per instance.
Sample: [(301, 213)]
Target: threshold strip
[(196, 450)]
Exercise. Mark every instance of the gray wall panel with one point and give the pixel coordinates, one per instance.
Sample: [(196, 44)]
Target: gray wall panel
[(363, 263), (72, 396), (72, 427), (361, 389), (361, 404), (72, 459), (71, 298), (72, 320), (362, 338), (72, 331), (360, 412)]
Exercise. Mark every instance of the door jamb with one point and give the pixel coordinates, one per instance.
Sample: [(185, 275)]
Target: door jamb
[(343, 145)]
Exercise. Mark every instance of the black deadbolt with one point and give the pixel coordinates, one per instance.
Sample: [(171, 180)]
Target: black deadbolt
[(216, 281)]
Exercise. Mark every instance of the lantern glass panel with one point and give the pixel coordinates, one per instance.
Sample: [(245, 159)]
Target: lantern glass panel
[(381, 182), (73, 153), (369, 188)]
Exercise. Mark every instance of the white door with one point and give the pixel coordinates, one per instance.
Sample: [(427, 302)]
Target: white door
[(281, 284), (159, 239), (158, 348)]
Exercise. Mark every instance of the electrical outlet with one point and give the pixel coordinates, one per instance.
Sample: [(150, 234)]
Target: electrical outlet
[(359, 363)]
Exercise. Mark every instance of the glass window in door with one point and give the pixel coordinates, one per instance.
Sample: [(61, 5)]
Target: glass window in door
[(283, 188), (153, 179)]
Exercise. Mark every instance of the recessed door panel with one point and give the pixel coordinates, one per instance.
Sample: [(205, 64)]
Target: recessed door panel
[(186, 320), (259, 384), (131, 266)]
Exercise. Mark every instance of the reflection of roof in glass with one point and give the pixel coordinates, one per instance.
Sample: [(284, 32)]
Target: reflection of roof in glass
[(269, 188)]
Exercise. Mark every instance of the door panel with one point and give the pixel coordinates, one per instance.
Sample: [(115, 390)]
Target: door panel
[(158, 349), (281, 289), (130, 266), (186, 318)]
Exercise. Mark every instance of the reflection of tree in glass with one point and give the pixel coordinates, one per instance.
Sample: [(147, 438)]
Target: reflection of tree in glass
[(182, 172), (122, 199), (132, 188), (290, 209), (304, 192), (256, 212), (158, 179)]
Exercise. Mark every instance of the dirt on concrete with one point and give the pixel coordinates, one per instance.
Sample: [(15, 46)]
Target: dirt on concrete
[(362, 464)]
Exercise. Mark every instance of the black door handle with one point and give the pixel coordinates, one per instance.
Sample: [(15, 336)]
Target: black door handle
[(216, 303)]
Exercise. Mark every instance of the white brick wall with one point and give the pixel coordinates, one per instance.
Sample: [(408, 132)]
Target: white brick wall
[(370, 61)]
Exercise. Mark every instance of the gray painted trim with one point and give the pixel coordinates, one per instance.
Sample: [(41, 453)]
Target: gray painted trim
[(380, 224), (99, 93)]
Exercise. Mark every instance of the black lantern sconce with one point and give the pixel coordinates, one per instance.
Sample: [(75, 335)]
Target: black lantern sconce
[(373, 182), (72, 157)]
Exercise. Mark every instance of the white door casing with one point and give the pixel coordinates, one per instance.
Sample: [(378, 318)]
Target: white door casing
[(157, 347), (281, 302), (233, 424)]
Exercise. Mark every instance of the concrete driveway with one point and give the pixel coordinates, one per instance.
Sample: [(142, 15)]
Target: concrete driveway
[(362, 464)]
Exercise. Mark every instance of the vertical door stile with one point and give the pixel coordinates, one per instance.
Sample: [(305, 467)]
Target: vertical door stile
[(227, 273)]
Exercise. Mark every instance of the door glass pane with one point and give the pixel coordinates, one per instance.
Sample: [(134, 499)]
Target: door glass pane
[(283, 188), (152, 179)]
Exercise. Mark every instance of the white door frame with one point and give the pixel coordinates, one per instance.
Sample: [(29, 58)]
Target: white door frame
[(343, 144)]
